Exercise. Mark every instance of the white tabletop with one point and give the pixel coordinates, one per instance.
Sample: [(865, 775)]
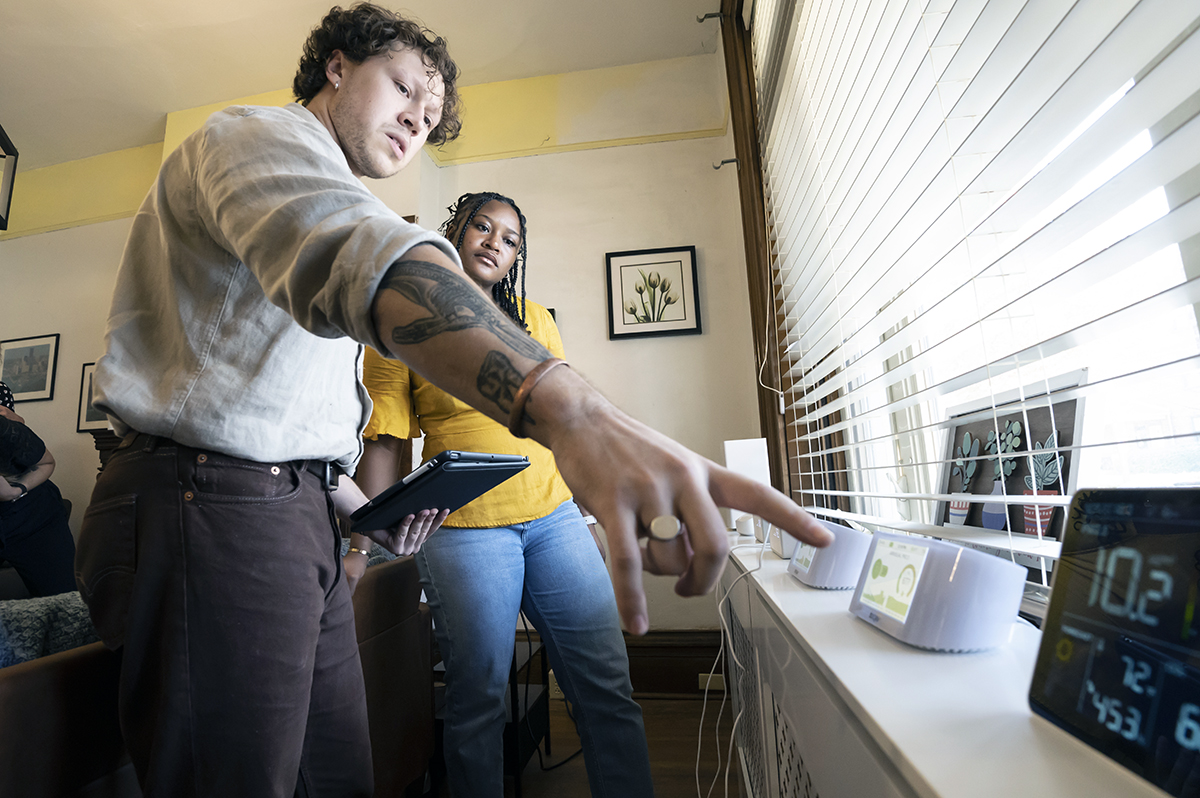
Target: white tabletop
[(955, 725)]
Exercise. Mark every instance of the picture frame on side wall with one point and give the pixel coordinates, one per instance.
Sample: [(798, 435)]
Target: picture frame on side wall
[(8, 174), (89, 418), (28, 366), (652, 292)]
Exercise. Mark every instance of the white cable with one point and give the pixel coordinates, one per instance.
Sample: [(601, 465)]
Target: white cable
[(716, 726), (729, 758), (764, 365), (728, 684)]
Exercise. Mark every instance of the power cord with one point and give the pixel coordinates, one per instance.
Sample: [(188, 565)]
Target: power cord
[(528, 723), (725, 636)]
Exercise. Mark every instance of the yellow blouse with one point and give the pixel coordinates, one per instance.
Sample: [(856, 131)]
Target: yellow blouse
[(407, 405)]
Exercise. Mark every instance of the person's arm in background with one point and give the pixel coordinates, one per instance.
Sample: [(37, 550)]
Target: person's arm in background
[(445, 328), (35, 476), (403, 539), (30, 479), (377, 471)]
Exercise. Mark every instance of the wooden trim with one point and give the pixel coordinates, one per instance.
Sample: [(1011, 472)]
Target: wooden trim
[(668, 662), (764, 317)]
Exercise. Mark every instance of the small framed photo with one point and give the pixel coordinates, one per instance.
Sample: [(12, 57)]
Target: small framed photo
[(89, 417), (28, 365), (652, 292)]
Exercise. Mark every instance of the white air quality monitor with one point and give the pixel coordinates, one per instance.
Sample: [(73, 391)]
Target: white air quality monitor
[(937, 595), (783, 545), (835, 567)]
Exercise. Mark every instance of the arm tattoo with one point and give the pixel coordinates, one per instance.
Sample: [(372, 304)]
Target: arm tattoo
[(453, 305), (498, 380)]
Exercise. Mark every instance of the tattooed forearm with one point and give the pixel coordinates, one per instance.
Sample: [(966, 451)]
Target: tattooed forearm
[(452, 305), (498, 380)]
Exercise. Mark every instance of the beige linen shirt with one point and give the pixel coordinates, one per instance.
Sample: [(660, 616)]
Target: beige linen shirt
[(245, 291)]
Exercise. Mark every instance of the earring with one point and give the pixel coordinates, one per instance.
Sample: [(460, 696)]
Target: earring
[(335, 85)]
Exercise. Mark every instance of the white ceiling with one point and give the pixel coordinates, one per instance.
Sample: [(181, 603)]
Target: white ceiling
[(84, 77)]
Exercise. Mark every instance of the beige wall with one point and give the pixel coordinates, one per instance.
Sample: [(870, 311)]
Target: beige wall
[(62, 282)]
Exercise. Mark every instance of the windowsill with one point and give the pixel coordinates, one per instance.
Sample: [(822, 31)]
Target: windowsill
[(1019, 543), (953, 725)]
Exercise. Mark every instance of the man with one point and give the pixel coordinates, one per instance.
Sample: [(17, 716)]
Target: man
[(255, 268)]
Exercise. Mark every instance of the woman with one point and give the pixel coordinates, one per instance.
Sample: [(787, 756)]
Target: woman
[(521, 547), (34, 535)]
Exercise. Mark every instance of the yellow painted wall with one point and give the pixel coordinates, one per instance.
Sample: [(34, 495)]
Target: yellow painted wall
[(96, 189), (669, 100), (674, 99), (181, 124)]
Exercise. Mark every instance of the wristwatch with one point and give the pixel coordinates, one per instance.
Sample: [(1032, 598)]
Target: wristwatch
[(24, 490)]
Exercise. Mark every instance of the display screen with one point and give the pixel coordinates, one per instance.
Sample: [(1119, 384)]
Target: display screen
[(802, 558), (1119, 664), (893, 577)]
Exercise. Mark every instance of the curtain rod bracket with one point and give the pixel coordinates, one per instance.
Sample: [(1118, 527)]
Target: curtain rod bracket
[(716, 14), (728, 160)]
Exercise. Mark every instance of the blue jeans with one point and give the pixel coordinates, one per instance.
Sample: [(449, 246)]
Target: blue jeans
[(476, 581)]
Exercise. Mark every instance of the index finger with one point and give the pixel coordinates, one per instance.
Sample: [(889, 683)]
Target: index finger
[(741, 493)]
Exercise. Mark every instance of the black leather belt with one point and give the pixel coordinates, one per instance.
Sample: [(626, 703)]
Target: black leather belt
[(326, 471)]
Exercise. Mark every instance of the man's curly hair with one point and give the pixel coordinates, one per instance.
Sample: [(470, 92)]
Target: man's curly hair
[(364, 30)]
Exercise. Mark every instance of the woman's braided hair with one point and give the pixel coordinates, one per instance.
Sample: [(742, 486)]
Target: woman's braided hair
[(455, 229)]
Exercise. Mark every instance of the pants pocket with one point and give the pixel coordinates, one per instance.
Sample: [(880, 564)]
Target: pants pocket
[(105, 564)]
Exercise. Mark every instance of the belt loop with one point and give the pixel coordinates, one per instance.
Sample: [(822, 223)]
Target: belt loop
[(150, 443)]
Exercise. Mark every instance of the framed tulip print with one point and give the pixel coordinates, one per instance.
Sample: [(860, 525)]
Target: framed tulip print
[(652, 292)]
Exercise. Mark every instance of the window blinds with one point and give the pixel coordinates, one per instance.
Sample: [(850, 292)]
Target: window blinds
[(986, 255)]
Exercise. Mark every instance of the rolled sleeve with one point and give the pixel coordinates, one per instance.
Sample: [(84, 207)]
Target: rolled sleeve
[(316, 239)]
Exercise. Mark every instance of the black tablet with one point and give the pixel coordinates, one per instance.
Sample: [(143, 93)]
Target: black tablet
[(446, 481), (1119, 664)]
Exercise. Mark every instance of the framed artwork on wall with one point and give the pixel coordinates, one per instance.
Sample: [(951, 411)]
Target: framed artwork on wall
[(28, 365), (89, 417), (8, 173), (652, 292)]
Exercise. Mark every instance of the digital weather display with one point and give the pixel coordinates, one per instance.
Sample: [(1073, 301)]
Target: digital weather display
[(1119, 664)]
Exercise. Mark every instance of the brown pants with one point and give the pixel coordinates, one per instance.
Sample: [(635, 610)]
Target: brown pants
[(219, 578)]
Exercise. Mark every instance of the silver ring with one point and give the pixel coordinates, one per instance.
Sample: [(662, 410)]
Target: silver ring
[(665, 527)]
